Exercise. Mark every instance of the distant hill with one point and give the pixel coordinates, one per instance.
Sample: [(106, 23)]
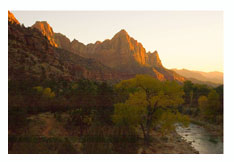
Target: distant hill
[(212, 78), (196, 81)]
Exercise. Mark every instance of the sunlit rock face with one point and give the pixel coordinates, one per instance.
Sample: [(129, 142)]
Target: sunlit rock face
[(122, 53), (153, 59), (12, 19), (46, 30), (32, 57)]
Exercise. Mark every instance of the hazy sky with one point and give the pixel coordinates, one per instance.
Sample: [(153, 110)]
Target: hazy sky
[(183, 39)]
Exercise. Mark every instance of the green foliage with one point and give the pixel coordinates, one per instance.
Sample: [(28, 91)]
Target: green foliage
[(44, 92), (80, 118), (188, 90), (147, 103), (132, 112), (39, 89), (210, 107), (166, 121), (183, 119), (48, 93), (104, 103), (193, 92), (203, 105), (213, 99)]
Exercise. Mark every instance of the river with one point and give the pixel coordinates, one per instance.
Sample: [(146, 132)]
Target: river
[(200, 139)]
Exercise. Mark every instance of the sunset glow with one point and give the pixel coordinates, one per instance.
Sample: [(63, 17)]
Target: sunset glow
[(184, 39)]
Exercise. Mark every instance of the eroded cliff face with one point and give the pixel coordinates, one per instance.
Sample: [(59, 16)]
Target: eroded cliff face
[(32, 57), (153, 59), (62, 41), (122, 53), (46, 30)]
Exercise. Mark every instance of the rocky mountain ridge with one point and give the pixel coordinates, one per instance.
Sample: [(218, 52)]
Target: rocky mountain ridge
[(121, 53), (32, 57)]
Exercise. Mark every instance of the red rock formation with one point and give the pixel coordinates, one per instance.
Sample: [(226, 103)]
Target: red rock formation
[(78, 47), (121, 50), (12, 19), (121, 53), (32, 57), (46, 30), (62, 41), (153, 59)]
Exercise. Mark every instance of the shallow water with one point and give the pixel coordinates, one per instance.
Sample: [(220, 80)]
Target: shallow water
[(201, 140)]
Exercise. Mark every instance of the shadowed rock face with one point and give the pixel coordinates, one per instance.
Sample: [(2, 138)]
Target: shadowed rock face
[(122, 53), (32, 57), (62, 41)]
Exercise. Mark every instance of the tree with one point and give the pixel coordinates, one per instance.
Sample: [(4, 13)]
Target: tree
[(48, 93), (188, 90), (210, 106), (219, 90), (104, 103), (203, 105), (81, 118), (213, 104), (148, 100), (199, 90)]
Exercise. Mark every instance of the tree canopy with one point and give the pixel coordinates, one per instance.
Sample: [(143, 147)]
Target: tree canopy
[(147, 102)]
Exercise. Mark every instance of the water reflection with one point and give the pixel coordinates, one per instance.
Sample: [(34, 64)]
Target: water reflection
[(201, 140)]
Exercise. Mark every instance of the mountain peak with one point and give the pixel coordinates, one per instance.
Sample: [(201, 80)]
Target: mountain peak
[(46, 30), (42, 22), (12, 19), (122, 33), (43, 25)]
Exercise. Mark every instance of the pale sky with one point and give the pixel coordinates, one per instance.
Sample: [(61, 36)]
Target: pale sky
[(184, 39)]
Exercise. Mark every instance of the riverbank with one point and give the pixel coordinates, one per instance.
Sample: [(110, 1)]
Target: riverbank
[(201, 139), (214, 130), (172, 143)]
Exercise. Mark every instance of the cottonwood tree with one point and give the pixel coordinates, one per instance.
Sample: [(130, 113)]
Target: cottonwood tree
[(148, 100)]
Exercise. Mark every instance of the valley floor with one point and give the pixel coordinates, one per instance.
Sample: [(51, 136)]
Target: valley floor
[(45, 134), (172, 143)]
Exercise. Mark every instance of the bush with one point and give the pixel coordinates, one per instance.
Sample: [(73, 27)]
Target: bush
[(17, 118)]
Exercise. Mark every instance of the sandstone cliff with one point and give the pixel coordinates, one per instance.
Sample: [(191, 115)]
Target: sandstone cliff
[(32, 57), (46, 30), (122, 53)]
